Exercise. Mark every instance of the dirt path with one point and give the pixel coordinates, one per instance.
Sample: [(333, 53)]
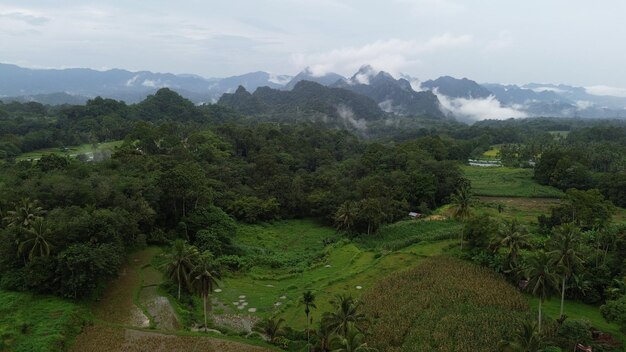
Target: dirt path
[(132, 303)]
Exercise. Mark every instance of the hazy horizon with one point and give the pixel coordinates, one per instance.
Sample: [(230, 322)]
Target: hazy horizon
[(569, 42)]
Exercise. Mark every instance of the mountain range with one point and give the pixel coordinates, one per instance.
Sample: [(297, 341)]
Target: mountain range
[(264, 93)]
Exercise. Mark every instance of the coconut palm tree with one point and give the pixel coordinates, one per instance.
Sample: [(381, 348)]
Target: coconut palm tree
[(308, 299), (461, 202), (346, 315), (353, 342), (35, 240), (513, 237), (324, 336), (542, 278), (346, 216), (205, 276), (526, 339), (26, 211), (270, 327), (565, 254), (180, 263)]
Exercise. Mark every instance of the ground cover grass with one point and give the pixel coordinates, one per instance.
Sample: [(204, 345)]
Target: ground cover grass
[(32, 323), (72, 151), (578, 311), (493, 152), (442, 304), (507, 182), (343, 267)]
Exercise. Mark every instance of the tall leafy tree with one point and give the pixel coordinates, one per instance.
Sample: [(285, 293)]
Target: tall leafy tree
[(24, 214), (513, 237), (353, 342), (542, 279), (180, 263), (35, 240), (462, 201), (347, 216), (345, 316), (205, 278), (270, 327), (308, 299), (565, 254), (526, 339)]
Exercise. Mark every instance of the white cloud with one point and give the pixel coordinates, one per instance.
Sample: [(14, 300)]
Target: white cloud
[(132, 81), (433, 7), (388, 55), (478, 109), (583, 104), (606, 90), (547, 89), (503, 41), (279, 79)]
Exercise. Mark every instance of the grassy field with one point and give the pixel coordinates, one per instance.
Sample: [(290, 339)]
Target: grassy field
[(507, 182), (493, 152), (31, 323), (578, 311), (342, 267), (72, 152), (442, 304)]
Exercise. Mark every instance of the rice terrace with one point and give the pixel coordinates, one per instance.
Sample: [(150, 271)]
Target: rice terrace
[(312, 176)]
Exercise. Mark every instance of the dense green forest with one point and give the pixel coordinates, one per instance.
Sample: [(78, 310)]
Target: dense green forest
[(191, 179)]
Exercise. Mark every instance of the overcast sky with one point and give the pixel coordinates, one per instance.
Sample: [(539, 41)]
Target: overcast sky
[(577, 42)]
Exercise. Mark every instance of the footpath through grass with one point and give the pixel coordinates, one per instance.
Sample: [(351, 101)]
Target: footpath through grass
[(32, 323), (507, 182)]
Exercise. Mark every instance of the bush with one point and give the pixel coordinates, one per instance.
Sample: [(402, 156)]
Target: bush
[(615, 311)]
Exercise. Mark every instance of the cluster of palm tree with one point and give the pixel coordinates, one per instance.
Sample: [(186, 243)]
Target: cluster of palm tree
[(548, 269), (367, 215), (338, 331), (196, 271), (31, 230)]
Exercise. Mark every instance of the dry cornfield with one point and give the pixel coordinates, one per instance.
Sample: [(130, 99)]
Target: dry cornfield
[(443, 304)]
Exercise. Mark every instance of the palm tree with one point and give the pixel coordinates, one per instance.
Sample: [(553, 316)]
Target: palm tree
[(35, 240), (346, 216), (513, 237), (526, 339), (205, 280), (324, 336), (270, 327), (180, 263), (346, 315), (308, 298), (461, 202), (353, 342), (26, 211), (565, 254), (542, 279)]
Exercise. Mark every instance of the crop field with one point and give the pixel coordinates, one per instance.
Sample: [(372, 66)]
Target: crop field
[(507, 182), (341, 267), (416, 310), (72, 152), (30, 323)]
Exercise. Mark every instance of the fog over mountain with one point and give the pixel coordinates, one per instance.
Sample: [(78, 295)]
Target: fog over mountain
[(443, 97)]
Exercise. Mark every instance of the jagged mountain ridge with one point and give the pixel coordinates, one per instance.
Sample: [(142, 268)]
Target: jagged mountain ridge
[(394, 96)]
